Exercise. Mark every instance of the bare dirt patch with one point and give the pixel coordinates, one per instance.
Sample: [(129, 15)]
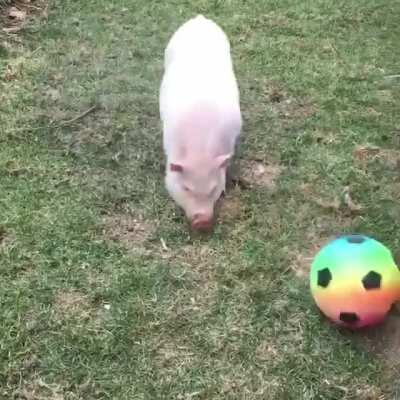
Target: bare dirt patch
[(365, 154), (322, 229), (255, 173), (301, 264), (72, 304), (296, 109), (200, 259), (302, 260), (76, 305), (292, 108), (25, 383), (341, 204), (170, 354), (131, 232), (285, 106), (275, 93), (230, 207), (384, 340)]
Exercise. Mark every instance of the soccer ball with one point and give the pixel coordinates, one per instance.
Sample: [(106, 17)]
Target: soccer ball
[(354, 281)]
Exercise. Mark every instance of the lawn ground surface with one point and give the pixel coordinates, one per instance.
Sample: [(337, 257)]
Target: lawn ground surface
[(103, 293)]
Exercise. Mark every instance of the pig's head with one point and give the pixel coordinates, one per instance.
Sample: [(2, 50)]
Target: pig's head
[(196, 186)]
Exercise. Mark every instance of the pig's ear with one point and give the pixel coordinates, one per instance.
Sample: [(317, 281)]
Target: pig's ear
[(175, 167), (223, 160)]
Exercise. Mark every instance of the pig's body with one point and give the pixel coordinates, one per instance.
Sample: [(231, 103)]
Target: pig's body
[(199, 106)]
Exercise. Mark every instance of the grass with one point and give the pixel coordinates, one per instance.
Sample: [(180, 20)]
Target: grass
[(103, 293), (4, 3)]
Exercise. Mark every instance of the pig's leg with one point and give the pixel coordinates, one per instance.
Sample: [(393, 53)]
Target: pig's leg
[(233, 171)]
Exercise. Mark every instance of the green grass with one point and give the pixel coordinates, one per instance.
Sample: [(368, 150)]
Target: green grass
[(4, 3), (84, 316)]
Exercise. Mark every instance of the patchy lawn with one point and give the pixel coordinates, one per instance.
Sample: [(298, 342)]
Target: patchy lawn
[(103, 293)]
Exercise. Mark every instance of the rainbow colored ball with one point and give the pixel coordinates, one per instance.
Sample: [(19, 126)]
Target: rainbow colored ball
[(354, 281)]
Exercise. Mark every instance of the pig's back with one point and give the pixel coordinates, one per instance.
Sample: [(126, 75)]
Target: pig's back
[(198, 67), (195, 39)]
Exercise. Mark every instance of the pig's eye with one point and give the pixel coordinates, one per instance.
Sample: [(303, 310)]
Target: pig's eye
[(185, 188)]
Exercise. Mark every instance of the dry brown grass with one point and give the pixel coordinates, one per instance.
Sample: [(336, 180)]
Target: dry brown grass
[(231, 207), (255, 173), (72, 304), (365, 154), (14, 14), (384, 341), (131, 232)]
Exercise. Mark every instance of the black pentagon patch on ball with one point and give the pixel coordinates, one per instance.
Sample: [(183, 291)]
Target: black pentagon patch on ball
[(356, 239), (348, 317), (324, 277), (372, 280)]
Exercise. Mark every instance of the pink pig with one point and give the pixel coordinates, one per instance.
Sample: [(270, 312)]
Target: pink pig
[(200, 111)]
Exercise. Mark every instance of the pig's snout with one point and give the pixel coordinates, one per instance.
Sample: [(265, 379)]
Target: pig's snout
[(202, 222)]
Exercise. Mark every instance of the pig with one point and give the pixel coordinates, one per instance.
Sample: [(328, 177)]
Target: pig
[(201, 118)]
